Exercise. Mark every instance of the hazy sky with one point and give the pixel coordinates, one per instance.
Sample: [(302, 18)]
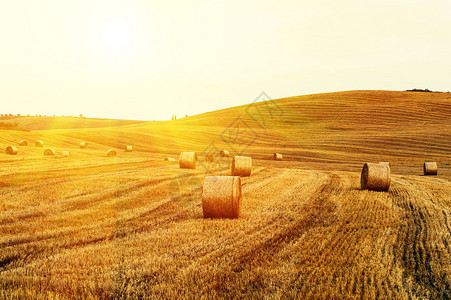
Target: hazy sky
[(152, 59)]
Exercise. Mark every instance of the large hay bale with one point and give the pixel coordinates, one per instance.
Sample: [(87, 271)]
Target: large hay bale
[(277, 156), (224, 153), (221, 197), (375, 177), (39, 143), (385, 163), (23, 143), (169, 159), (83, 145), (111, 153), (430, 168), (48, 152), (241, 166), (65, 153), (128, 148), (188, 160), (12, 150), (209, 157)]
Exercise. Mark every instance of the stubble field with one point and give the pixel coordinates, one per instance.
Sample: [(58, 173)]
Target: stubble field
[(131, 226)]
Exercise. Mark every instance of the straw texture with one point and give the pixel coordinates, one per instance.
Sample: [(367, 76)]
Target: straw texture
[(12, 150), (188, 160), (430, 168), (241, 166), (111, 153), (221, 197), (48, 152), (224, 153), (375, 177), (277, 156)]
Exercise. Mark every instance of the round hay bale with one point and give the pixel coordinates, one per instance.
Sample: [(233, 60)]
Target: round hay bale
[(221, 197), (12, 150), (83, 145), (209, 157), (48, 152), (111, 153), (23, 143), (277, 156), (385, 163), (188, 160), (241, 166), (66, 153), (39, 143), (224, 153), (128, 148), (375, 177), (169, 159), (430, 168)]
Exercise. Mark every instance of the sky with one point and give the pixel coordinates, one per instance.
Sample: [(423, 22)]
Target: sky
[(149, 60)]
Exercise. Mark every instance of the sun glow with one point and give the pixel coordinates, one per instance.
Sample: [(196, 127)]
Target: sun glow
[(117, 36)]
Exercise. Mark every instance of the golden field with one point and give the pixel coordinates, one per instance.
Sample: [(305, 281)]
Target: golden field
[(97, 227)]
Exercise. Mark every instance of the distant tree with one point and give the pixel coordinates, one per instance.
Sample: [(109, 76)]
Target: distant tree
[(423, 90), (6, 125), (81, 116), (18, 115)]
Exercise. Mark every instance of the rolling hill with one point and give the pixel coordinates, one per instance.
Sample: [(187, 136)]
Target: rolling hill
[(131, 226), (29, 123)]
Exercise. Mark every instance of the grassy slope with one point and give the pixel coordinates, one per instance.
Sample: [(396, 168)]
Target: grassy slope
[(132, 225)]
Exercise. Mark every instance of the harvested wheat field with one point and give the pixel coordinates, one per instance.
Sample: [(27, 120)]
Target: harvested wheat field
[(133, 227)]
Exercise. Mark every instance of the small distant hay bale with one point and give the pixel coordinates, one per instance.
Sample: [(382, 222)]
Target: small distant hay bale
[(39, 143), (48, 152), (169, 159), (241, 166), (12, 150), (221, 197), (128, 148), (224, 153), (23, 143), (83, 145), (375, 177), (430, 168), (65, 153), (209, 157), (277, 156), (188, 160), (111, 153)]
